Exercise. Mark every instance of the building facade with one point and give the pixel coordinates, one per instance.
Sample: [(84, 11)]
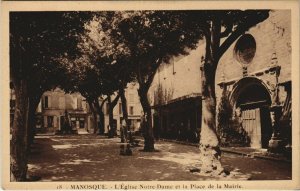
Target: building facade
[(175, 97), (51, 112), (134, 110), (56, 106), (254, 74), (134, 106)]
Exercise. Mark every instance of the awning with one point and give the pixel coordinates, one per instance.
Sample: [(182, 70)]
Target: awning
[(186, 98)]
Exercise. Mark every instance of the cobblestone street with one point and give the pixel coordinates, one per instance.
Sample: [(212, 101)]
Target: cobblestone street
[(96, 158)]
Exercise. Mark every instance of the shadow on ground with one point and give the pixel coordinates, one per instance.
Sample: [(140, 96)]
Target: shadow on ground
[(95, 158)]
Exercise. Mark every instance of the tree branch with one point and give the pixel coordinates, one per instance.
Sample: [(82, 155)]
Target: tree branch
[(227, 31), (115, 101), (103, 101), (152, 74), (91, 105), (228, 42), (241, 29), (215, 36), (139, 74)]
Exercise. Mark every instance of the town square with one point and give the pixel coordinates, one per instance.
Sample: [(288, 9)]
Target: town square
[(152, 96)]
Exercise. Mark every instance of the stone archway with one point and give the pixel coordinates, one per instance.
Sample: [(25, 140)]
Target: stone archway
[(252, 99)]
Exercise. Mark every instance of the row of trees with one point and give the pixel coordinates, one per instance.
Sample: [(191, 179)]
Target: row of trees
[(98, 53)]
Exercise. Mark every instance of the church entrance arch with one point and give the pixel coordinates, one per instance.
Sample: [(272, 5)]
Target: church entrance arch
[(251, 100)]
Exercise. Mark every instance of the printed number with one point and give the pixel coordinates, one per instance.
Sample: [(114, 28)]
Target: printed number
[(59, 187)]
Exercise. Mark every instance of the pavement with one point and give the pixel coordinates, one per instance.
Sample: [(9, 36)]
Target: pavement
[(245, 151), (97, 158)]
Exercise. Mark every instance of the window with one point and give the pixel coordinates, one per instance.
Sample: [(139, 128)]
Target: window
[(120, 108), (79, 103), (131, 110), (107, 108), (46, 105), (245, 49), (50, 121)]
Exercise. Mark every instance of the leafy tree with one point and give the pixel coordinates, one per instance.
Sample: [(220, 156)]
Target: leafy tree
[(109, 56), (153, 37), (82, 76), (35, 39), (219, 24)]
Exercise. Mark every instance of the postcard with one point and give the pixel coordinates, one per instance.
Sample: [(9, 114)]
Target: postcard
[(144, 95)]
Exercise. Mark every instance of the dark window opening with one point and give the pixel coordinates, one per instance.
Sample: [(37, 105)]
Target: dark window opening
[(120, 108), (50, 121), (131, 110), (46, 102), (107, 108), (245, 49)]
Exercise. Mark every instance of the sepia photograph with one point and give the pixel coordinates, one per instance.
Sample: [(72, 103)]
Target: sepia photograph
[(184, 96)]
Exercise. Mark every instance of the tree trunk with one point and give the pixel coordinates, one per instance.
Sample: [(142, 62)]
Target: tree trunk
[(101, 116), (95, 122), (102, 122), (209, 142), (210, 152), (93, 110), (112, 104), (18, 146), (111, 118), (125, 115), (33, 104), (147, 125)]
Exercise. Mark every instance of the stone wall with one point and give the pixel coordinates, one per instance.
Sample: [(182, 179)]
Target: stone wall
[(273, 39), (269, 66), (179, 77)]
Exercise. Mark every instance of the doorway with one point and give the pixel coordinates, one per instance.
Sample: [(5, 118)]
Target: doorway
[(254, 102)]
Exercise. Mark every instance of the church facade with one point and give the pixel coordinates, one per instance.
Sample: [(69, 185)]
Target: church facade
[(253, 76)]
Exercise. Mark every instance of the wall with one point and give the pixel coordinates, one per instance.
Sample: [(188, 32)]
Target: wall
[(132, 101), (179, 77), (58, 103), (271, 36)]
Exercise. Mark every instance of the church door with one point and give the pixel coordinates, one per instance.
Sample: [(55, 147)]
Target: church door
[(252, 125)]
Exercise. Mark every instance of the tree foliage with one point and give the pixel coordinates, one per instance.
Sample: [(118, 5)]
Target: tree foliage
[(100, 69), (105, 50), (146, 39), (153, 38), (224, 115), (35, 39)]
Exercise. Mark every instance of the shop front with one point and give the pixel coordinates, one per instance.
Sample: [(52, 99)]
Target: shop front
[(180, 119)]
